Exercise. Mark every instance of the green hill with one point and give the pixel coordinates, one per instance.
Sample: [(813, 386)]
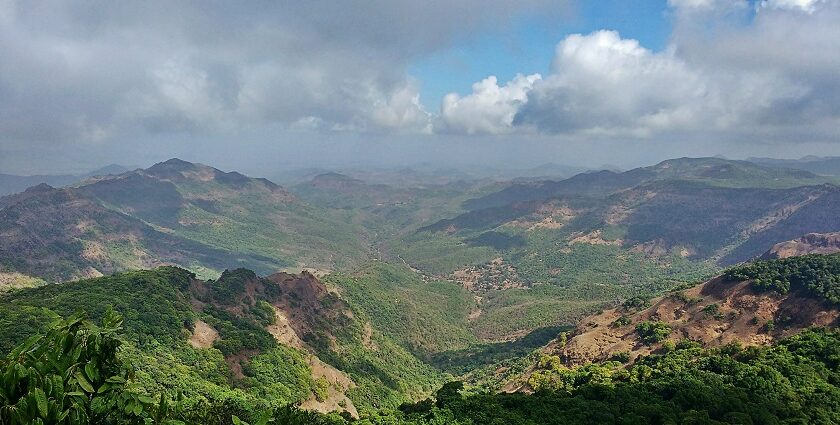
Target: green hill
[(272, 341), (172, 213)]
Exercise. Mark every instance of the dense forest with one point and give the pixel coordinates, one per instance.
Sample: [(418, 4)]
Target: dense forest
[(119, 356), (74, 374)]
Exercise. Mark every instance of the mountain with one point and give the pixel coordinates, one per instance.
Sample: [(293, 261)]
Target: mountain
[(726, 211), (258, 348), (174, 212), (826, 166), (549, 253), (10, 184), (600, 184)]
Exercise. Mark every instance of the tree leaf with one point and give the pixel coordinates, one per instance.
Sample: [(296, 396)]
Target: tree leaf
[(41, 402), (83, 382)]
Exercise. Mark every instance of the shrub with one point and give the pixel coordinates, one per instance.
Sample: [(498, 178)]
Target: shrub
[(653, 332)]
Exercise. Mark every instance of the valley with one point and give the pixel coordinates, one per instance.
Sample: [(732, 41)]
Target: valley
[(552, 212), (351, 299)]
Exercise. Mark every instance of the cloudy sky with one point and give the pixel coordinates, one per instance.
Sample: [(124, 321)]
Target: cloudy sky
[(262, 86)]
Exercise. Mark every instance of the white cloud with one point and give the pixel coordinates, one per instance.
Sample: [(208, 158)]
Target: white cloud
[(71, 72), (489, 108), (692, 7), (808, 6), (696, 4), (772, 79), (602, 83)]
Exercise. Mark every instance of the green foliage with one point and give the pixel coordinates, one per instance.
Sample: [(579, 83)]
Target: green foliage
[(481, 361), (237, 333), (231, 285), (71, 375), (621, 321), (621, 357), (151, 302), (439, 253), (712, 310), (322, 389), (818, 275), (636, 303), (426, 317), (281, 374), (793, 382), (653, 332)]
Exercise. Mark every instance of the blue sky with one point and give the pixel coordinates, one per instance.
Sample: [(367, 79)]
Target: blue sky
[(527, 47)]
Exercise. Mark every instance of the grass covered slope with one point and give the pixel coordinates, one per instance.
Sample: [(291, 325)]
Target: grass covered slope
[(73, 374)]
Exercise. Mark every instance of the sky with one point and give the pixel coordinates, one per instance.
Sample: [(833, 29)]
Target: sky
[(267, 86)]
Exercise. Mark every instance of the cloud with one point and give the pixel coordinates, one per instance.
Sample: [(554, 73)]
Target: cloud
[(808, 6), (489, 108), (603, 83), (78, 72), (771, 79)]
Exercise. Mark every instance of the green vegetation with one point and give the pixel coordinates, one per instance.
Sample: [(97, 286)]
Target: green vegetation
[(71, 375), (151, 302), (480, 362), (246, 369), (438, 253), (793, 382), (818, 275), (395, 313), (425, 317), (621, 321), (653, 332)]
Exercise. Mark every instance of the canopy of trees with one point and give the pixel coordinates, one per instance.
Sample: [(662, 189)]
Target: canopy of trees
[(818, 275)]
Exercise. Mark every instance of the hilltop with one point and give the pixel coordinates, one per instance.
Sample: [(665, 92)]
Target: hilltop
[(174, 212)]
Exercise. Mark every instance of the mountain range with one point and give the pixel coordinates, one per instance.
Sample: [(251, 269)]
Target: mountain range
[(341, 295)]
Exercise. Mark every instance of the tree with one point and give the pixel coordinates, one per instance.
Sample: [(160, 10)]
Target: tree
[(71, 375)]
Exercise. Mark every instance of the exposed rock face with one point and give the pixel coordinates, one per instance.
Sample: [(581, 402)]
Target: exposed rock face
[(812, 243)]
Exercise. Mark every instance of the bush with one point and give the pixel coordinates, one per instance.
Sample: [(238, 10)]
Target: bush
[(653, 332)]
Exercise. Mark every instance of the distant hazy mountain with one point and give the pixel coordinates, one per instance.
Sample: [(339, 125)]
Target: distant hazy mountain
[(10, 183), (728, 211), (827, 166)]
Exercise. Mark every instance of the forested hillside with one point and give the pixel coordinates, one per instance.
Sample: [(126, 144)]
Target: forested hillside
[(416, 288), (240, 340)]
